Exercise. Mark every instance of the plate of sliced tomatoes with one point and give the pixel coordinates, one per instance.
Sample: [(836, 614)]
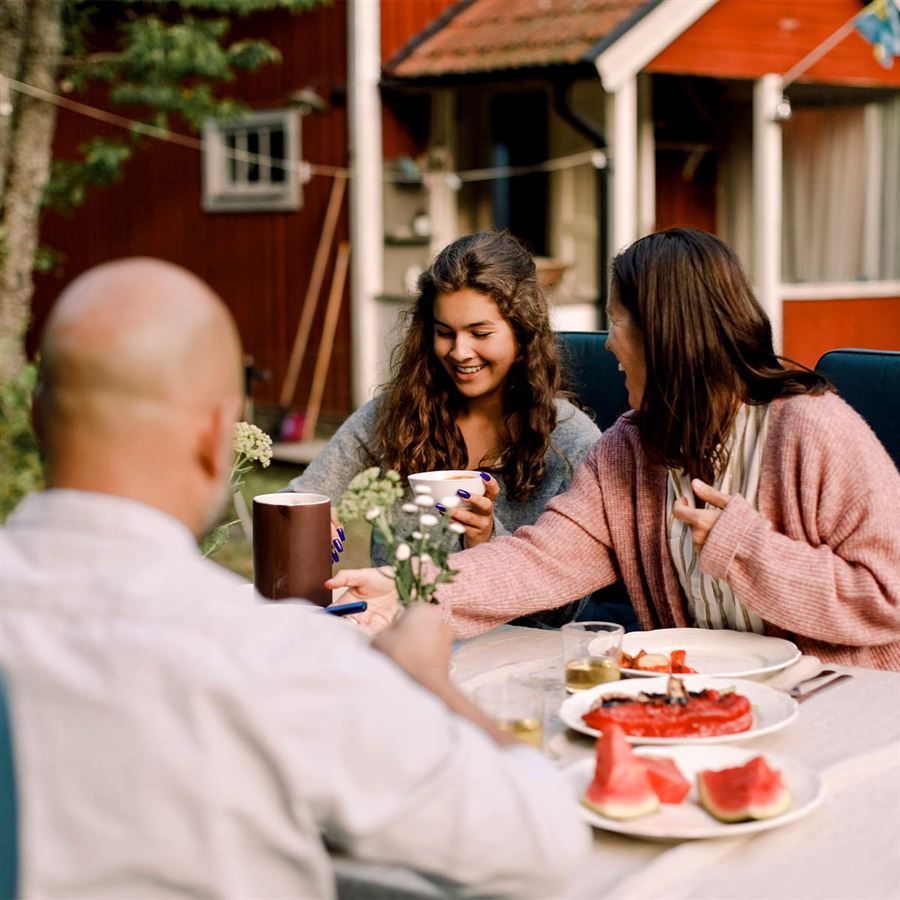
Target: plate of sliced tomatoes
[(704, 651)]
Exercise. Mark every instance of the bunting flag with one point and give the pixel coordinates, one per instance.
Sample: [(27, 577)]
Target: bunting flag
[(879, 24)]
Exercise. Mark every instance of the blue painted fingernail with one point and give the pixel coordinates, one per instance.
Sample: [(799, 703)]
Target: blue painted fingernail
[(440, 507), (464, 494), (341, 534), (337, 545), (335, 557), (485, 476)]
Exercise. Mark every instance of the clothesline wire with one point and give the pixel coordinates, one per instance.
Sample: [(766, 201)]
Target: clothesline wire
[(818, 52), (302, 168)]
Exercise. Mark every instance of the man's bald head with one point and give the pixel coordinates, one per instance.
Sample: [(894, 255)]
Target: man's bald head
[(134, 351), (135, 332)]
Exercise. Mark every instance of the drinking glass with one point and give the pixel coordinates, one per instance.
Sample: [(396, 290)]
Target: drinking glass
[(515, 706), (591, 653)]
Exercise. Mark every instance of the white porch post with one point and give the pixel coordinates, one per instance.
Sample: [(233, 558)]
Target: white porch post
[(442, 194), (767, 189), (366, 190), (622, 135), (646, 222)]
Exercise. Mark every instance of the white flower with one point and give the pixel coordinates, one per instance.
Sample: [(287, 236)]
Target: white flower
[(424, 500), (417, 535), (403, 552), (451, 502), (421, 489), (253, 442), (409, 507), (373, 514), (425, 557), (456, 528), (428, 520)]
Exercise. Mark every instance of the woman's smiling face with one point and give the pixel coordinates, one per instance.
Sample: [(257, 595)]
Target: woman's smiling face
[(473, 342), (626, 343)]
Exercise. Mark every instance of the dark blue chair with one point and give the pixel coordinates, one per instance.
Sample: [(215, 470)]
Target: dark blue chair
[(869, 380), (593, 375), (9, 855)]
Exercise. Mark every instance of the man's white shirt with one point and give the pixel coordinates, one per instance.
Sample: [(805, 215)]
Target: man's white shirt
[(175, 736)]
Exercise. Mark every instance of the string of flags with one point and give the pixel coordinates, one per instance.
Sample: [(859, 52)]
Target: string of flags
[(879, 24)]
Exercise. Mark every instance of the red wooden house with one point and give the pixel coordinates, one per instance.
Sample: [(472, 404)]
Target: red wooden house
[(629, 115)]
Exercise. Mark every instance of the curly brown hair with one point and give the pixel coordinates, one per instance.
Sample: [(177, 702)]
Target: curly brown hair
[(416, 427), (707, 341)]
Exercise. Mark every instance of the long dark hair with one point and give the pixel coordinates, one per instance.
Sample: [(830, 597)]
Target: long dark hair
[(416, 427), (707, 342)]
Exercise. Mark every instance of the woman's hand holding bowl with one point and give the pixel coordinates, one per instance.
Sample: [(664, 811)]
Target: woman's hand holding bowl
[(478, 516)]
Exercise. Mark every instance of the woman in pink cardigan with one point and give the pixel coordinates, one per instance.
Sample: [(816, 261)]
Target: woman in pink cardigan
[(737, 494)]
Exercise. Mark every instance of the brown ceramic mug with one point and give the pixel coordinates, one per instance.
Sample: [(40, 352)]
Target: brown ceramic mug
[(292, 546)]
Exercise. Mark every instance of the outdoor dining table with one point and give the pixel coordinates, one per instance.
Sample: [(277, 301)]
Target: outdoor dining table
[(846, 849)]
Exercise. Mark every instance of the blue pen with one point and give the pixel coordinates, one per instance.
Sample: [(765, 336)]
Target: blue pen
[(347, 609)]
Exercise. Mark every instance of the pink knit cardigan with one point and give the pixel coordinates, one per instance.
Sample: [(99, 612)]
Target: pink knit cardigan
[(819, 562)]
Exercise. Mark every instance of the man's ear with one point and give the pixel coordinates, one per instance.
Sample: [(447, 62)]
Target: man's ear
[(215, 436)]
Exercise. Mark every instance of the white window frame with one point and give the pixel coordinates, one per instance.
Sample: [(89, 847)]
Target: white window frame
[(222, 193)]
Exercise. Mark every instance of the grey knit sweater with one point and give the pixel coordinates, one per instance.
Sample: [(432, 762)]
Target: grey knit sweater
[(350, 451)]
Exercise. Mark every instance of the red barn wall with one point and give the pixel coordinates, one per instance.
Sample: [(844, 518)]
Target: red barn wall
[(401, 20), (750, 38), (812, 327), (258, 262)]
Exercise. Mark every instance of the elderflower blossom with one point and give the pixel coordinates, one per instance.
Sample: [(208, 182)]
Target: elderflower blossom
[(369, 490), (418, 559), (250, 445), (253, 443)]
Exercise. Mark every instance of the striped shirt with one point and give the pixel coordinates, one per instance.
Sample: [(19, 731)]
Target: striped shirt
[(711, 603)]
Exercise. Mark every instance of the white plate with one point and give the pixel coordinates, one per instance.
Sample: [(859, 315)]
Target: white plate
[(689, 819), (771, 709), (732, 654)]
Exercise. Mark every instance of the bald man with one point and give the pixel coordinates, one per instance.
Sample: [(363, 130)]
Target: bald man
[(173, 736)]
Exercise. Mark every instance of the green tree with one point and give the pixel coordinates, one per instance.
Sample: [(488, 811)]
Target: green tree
[(170, 60)]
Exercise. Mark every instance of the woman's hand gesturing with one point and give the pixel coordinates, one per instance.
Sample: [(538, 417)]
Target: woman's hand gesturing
[(701, 521)]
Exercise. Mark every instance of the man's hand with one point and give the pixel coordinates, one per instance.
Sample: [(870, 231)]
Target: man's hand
[(701, 521), (374, 586), (419, 641)]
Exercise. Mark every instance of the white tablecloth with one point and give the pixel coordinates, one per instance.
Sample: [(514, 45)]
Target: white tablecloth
[(848, 849)]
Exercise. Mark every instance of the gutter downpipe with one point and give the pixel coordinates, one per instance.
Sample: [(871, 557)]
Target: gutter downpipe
[(596, 135), (366, 191)]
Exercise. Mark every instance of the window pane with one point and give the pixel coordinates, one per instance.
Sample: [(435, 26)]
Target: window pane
[(230, 161), (253, 165), (276, 151)]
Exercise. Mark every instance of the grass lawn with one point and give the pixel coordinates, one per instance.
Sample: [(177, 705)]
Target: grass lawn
[(237, 554)]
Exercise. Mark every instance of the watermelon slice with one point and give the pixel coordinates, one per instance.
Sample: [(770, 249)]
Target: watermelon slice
[(621, 787), (751, 791), (666, 779)]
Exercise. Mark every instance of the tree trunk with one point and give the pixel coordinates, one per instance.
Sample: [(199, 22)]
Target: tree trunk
[(26, 145)]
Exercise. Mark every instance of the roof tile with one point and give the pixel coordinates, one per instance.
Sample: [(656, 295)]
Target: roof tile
[(510, 34)]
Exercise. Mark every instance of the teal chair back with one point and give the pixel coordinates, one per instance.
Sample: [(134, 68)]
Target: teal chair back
[(593, 374), (9, 844), (869, 380)]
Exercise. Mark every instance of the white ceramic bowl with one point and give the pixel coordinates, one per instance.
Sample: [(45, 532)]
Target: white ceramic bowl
[(446, 483)]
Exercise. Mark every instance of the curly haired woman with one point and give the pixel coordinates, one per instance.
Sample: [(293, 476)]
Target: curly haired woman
[(740, 493), (476, 385)]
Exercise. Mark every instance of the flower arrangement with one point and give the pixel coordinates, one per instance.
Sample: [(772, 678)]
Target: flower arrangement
[(251, 445), (374, 496)]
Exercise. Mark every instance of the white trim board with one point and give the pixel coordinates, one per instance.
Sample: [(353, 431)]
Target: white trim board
[(646, 39), (843, 290)]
